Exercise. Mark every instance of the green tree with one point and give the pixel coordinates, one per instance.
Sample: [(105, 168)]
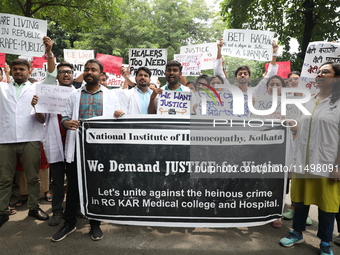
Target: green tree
[(154, 24), (305, 20)]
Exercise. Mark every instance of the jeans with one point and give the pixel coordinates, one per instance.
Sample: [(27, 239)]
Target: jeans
[(326, 221)]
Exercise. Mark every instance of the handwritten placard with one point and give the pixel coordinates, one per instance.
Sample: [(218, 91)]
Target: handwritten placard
[(191, 63), (38, 62), (174, 103), (249, 44), (39, 73), (316, 54), (284, 69), (78, 56), (114, 80), (22, 35), (52, 99), (154, 59), (111, 63), (207, 51), (265, 102), (209, 104)]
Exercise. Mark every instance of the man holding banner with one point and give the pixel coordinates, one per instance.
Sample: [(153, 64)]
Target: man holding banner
[(21, 135), (137, 99), (89, 101), (173, 73)]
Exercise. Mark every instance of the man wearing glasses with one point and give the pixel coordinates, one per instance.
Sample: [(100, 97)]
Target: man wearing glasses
[(54, 134)]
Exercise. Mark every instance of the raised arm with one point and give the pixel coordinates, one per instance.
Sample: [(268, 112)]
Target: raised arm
[(126, 73), (152, 104), (49, 54), (7, 71)]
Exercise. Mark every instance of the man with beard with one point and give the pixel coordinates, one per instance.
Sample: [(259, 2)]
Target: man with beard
[(173, 73), (136, 100), (54, 134), (89, 101), (21, 134)]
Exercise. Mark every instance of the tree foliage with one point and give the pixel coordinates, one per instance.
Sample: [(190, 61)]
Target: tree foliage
[(305, 20), (154, 24)]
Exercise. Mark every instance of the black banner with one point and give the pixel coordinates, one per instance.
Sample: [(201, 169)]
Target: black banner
[(179, 172)]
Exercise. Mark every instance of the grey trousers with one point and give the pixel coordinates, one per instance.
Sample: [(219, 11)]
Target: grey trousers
[(30, 158)]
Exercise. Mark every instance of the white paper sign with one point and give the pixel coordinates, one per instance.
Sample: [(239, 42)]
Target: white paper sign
[(154, 59), (316, 54), (51, 98), (220, 104), (21, 35), (78, 56), (114, 80), (191, 63), (207, 51), (249, 44), (174, 103), (265, 102), (39, 73)]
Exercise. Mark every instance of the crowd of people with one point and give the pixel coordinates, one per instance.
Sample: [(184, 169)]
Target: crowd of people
[(26, 135)]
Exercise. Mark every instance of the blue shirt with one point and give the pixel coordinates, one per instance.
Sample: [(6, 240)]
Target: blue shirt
[(144, 99)]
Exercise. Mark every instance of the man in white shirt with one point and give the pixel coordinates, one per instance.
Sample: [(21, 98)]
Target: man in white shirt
[(21, 134), (136, 100)]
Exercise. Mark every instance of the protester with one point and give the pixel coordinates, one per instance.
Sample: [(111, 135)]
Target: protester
[(54, 134), (275, 82), (89, 101), (136, 100), (242, 73), (318, 143), (103, 79), (293, 82), (173, 73), (21, 137)]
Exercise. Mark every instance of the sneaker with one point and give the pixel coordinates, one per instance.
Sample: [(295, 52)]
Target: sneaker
[(309, 221), (62, 233), (337, 240), (288, 215), (292, 238), (326, 249), (55, 219), (96, 232)]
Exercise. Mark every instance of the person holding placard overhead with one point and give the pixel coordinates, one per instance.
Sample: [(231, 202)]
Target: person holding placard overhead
[(21, 134), (173, 73), (242, 73), (316, 175)]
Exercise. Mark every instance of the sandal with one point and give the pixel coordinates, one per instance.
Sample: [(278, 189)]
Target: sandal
[(276, 224), (48, 196), (23, 200)]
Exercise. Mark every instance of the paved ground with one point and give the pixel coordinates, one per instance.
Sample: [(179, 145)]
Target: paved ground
[(25, 235)]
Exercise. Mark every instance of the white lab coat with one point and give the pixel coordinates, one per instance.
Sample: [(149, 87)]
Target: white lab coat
[(17, 123), (110, 104), (53, 144), (130, 101)]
